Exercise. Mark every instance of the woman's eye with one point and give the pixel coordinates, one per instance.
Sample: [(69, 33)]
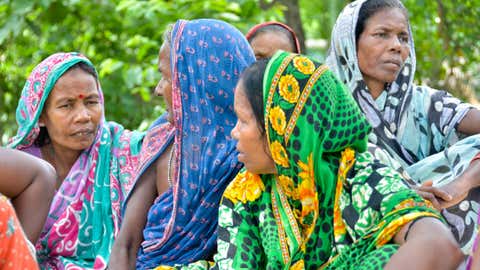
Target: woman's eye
[(92, 102), (65, 106), (381, 35), (404, 39)]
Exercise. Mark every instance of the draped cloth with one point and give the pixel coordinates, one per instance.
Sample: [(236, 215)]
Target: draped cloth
[(331, 205), (16, 252), (207, 57), (416, 125), (84, 216)]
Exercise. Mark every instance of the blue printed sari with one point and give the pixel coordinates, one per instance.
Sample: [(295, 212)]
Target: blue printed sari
[(207, 58)]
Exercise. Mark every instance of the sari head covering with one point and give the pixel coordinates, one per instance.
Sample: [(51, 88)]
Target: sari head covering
[(342, 59), (415, 124), (293, 37), (85, 215), (330, 204), (207, 58)]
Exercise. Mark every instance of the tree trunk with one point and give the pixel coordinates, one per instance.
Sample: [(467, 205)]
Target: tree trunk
[(294, 20)]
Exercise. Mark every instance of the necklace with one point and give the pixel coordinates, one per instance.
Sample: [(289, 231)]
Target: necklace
[(169, 170)]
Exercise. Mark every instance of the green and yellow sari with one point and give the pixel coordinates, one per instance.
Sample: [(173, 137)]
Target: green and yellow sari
[(331, 205)]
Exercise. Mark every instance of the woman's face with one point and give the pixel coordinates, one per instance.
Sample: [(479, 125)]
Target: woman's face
[(164, 86), (73, 111), (251, 143), (383, 46), (265, 44)]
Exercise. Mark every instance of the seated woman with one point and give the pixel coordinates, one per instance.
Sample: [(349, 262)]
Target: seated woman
[(269, 37), (16, 252), (372, 52), (188, 157), (27, 181), (311, 196), (61, 120)]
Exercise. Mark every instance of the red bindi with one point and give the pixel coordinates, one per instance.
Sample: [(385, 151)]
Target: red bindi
[(81, 96)]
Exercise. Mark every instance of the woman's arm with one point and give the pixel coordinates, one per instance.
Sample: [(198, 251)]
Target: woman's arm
[(125, 248), (454, 192), (30, 183), (428, 245), (470, 124)]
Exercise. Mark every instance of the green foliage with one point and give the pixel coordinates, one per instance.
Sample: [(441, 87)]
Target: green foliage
[(122, 38), (447, 44)]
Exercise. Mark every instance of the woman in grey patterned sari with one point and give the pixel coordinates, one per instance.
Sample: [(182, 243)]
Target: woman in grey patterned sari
[(424, 129)]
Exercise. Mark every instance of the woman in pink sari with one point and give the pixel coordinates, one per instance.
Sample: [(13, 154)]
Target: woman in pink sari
[(61, 120)]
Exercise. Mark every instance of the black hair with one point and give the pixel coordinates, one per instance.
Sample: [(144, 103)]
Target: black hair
[(370, 8), (277, 29), (252, 82), (84, 67), (43, 137)]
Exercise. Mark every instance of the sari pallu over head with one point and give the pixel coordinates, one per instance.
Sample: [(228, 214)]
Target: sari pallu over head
[(310, 119), (342, 59), (314, 130), (207, 57), (85, 213), (436, 113)]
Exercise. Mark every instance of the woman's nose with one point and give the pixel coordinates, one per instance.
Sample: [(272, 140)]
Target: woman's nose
[(396, 43), (159, 89), (234, 132), (83, 114)]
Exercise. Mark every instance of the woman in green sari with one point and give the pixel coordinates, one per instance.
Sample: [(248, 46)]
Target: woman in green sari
[(311, 196)]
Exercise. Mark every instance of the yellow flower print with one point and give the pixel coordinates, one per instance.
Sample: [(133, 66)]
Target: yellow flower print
[(306, 172), (245, 187), (299, 265), (308, 197), (339, 227), (307, 189), (279, 154), (409, 203), (304, 65), (277, 119), (164, 267), (288, 186), (289, 88)]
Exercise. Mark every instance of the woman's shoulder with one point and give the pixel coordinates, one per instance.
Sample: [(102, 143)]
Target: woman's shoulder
[(425, 92)]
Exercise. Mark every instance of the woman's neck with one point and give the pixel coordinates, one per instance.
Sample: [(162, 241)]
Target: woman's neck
[(61, 159), (375, 88)]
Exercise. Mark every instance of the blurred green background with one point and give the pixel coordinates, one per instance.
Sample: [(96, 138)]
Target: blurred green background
[(122, 38)]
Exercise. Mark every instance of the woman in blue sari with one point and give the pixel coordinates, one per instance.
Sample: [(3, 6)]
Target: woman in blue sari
[(188, 156)]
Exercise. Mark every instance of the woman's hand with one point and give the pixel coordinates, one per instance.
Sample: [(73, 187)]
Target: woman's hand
[(444, 196), (437, 196)]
